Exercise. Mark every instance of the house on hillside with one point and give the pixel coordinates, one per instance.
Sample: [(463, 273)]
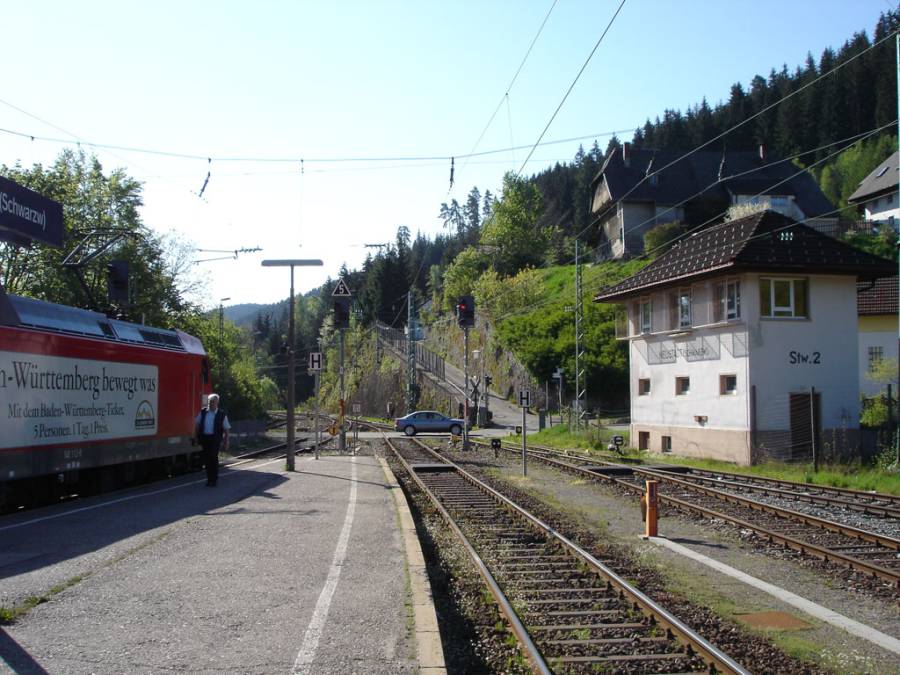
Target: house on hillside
[(876, 197), (743, 340), (629, 197), (877, 309)]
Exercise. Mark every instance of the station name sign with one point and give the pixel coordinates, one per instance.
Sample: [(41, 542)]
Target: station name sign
[(27, 215)]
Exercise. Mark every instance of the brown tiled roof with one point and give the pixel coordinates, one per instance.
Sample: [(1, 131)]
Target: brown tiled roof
[(765, 241), (879, 297)]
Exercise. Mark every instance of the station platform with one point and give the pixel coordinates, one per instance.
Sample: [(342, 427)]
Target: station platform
[(316, 571)]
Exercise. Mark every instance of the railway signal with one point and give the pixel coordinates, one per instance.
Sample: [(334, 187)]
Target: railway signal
[(465, 311), (342, 313)]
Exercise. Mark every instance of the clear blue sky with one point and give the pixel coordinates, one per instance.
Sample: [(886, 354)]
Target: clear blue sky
[(364, 79)]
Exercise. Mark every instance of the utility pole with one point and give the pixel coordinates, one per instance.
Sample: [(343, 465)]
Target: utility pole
[(343, 432), (341, 296), (222, 342), (466, 392), (580, 385), (410, 355), (465, 318), (291, 384)]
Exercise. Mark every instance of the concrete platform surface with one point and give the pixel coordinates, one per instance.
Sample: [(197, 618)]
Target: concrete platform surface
[(269, 572)]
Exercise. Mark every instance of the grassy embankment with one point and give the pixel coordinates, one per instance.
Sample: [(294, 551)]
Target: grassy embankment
[(854, 476)]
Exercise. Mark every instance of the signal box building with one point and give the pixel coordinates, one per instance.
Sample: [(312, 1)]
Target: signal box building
[(743, 342)]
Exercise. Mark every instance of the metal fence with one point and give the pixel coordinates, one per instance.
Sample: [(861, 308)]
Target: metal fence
[(425, 358)]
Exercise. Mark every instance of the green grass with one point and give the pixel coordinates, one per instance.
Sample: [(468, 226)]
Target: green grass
[(559, 281), (852, 476), (558, 437), (9, 615)]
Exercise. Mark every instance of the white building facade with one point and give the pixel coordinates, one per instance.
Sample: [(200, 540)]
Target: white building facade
[(736, 363), (716, 373)]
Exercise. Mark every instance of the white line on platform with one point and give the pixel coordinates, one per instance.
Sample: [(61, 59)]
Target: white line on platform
[(141, 495), (303, 664), (817, 611)]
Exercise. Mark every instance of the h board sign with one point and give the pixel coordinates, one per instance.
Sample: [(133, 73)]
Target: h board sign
[(28, 216), (315, 361), (524, 398)]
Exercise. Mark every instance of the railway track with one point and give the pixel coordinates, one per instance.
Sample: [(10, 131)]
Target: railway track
[(870, 503), (874, 554), (570, 612)]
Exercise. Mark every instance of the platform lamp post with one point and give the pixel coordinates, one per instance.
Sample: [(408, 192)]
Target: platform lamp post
[(291, 384), (222, 341)]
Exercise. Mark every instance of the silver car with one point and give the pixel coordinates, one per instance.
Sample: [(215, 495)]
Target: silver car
[(428, 420)]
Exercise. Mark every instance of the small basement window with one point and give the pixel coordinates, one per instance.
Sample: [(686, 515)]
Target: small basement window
[(682, 385), (666, 444), (644, 386), (643, 440), (727, 385)]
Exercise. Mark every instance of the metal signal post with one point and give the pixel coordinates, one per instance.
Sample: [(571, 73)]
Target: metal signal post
[(291, 384)]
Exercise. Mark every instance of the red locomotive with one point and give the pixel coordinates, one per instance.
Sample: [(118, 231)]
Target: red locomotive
[(88, 402)]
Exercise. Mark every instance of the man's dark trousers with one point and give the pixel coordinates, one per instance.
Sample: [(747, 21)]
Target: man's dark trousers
[(210, 445)]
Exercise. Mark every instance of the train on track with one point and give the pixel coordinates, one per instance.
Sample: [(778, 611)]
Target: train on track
[(89, 403)]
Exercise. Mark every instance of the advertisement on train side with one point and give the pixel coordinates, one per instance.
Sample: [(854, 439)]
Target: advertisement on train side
[(48, 400)]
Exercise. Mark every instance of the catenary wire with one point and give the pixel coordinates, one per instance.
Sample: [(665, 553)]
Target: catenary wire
[(572, 86), (508, 87)]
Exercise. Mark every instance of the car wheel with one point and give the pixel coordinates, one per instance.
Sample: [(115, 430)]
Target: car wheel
[(456, 430), (409, 430)]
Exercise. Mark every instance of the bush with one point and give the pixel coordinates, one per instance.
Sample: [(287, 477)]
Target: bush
[(660, 239)]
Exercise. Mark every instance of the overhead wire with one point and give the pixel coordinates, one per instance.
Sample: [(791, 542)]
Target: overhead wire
[(295, 160), (505, 96), (572, 86)]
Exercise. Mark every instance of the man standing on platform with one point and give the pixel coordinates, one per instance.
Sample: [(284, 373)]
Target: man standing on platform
[(212, 432)]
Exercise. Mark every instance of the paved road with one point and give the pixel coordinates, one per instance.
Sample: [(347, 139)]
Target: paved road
[(267, 573), (506, 415)]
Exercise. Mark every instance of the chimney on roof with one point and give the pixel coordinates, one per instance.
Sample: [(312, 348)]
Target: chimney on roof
[(762, 152), (626, 154)]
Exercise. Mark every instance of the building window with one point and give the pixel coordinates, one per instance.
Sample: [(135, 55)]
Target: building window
[(684, 308), (644, 386), (643, 440), (679, 309), (727, 385), (784, 298), (666, 444), (727, 301), (682, 385), (876, 355), (645, 315)]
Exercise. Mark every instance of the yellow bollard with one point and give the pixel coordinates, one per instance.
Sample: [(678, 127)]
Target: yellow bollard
[(650, 504)]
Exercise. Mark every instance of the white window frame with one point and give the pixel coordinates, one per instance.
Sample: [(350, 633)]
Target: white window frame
[(678, 380), (789, 311), (645, 315), (727, 300), (684, 308), (641, 390), (876, 356)]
